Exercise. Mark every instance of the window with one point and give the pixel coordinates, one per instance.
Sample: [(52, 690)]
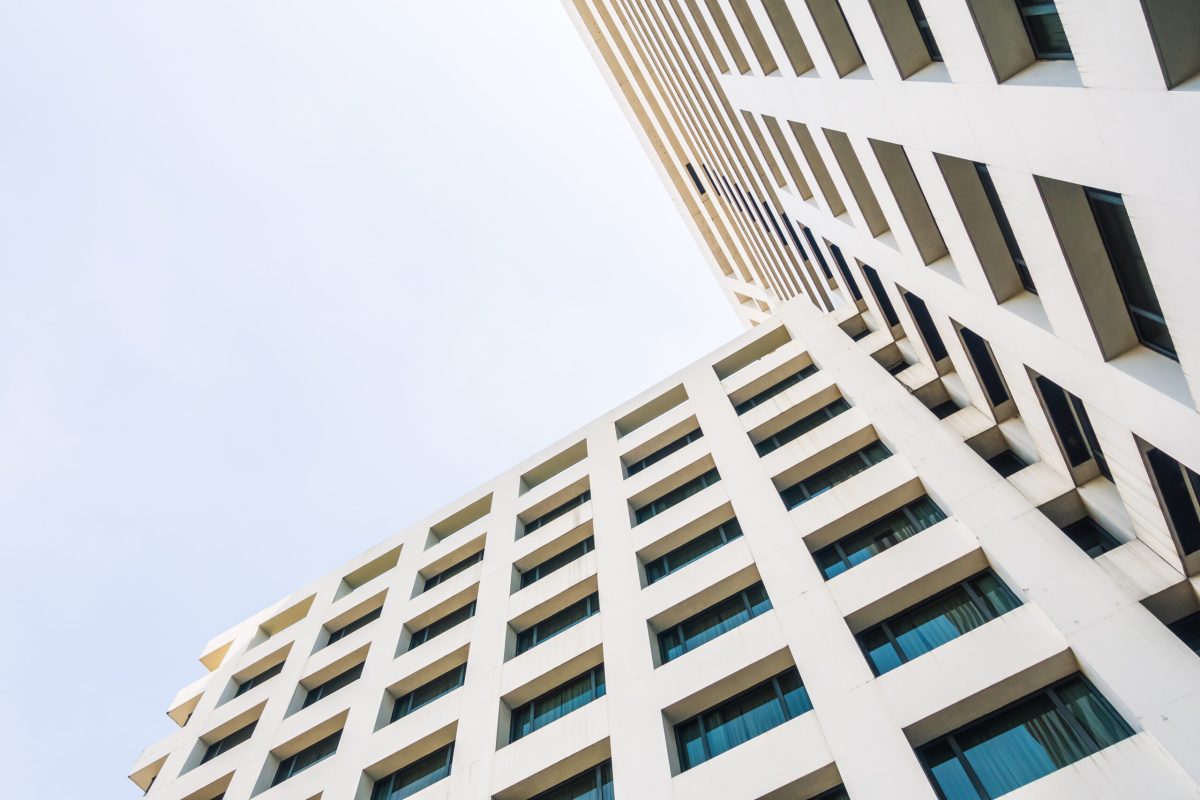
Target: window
[(881, 295), (558, 702), (409, 780), (228, 742), (802, 426), (1071, 425), (555, 624), (691, 171), (1033, 737), (688, 552), (929, 331), (1116, 231), (351, 627), (677, 495), (592, 784), (1179, 495), (985, 366), (554, 562), (1188, 631), (838, 793), (812, 243), (313, 754), (778, 388), (426, 693), (839, 471), (1006, 462), (260, 678), (940, 619), (1091, 538), (1045, 29), (923, 26), (557, 512), (873, 539), (944, 409), (1006, 231), (451, 571), (442, 625), (741, 718), (844, 268), (332, 685), (713, 621), (663, 452)]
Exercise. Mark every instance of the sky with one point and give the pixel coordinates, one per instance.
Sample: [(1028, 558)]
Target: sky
[(278, 278)]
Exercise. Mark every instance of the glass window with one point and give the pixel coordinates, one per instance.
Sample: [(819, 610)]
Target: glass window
[(438, 627), (741, 718), (1045, 29), (332, 685), (556, 703), (985, 365), (425, 694), (451, 571), (575, 551), (555, 624), (351, 627), (1035, 736), (677, 495), (1006, 231), (835, 473), (1071, 425), (1121, 244), (663, 452), (929, 331), (411, 779), (1006, 462), (260, 678), (878, 536), (592, 784), (936, 621), (713, 621), (801, 427), (557, 512), (812, 243), (778, 388), (688, 552), (1091, 538), (844, 268), (695, 178), (923, 26), (881, 295), (1188, 630), (1179, 492), (306, 758), (228, 742)]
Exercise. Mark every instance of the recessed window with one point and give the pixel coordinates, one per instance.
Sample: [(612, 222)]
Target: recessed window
[(1188, 631), (844, 268), (677, 495), (572, 553), (812, 243), (776, 389), (1006, 231), (228, 742), (1178, 490), (691, 171), (1121, 244), (873, 539), (688, 552), (555, 624), (438, 627), (558, 511), (1045, 29), (985, 366), (926, 33), (881, 295), (835, 473), (330, 686), (1006, 462), (926, 327), (257, 680), (741, 718), (802, 426), (351, 627), (944, 409), (426, 693), (1090, 537), (713, 621), (556, 703), (1033, 737), (593, 784), (664, 451), (411, 779), (313, 754), (1072, 427), (452, 570), (936, 621)]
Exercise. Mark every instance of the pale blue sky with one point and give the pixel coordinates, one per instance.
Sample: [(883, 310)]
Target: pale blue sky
[(278, 277)]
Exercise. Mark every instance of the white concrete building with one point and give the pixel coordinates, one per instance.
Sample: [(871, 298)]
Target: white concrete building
[(930, 528)]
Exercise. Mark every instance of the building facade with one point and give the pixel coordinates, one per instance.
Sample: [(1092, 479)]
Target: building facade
[(929, 528)]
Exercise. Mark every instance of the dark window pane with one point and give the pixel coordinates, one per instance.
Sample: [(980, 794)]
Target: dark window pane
[(1179, 488), (332, 685), (985, 365), (778, 388), (881, 296), (411, 779), (688, 552), (664, 451), (801, 427), (677, 495), (575, 551), (1010, 239), (1091, 538), (1045, 29), (427, 693), (812, 242), (1188, 630), (442, 625), (593, 784), (557, 623), (306, 758), (451, 571), (557, 512), (836, 473), (558, 702), (923, 26), (844, 268), (1006, 462), (257, 680), (948, 773), (929, 332)]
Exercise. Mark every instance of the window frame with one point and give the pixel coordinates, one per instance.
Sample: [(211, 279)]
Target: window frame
[(859, 454)]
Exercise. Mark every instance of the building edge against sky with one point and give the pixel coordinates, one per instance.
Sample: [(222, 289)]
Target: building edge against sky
[(940, 498)]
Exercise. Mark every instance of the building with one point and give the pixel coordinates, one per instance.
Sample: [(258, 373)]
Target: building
[(929, 528)]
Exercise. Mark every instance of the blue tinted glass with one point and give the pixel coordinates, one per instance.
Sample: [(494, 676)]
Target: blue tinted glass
[(948, 774), (741, 720), (880, 651), (691, 747)]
